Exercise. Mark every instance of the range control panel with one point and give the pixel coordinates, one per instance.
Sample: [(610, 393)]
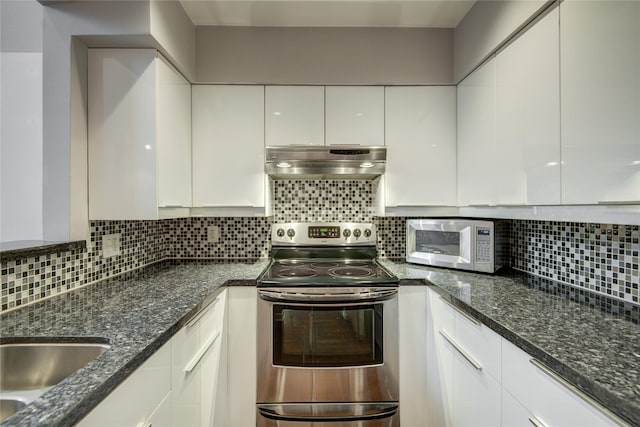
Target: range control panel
[(319, 232), (323, 234)]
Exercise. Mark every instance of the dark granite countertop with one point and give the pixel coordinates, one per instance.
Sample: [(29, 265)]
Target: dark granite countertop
[(590, 340), (136, 312), (585, 342)]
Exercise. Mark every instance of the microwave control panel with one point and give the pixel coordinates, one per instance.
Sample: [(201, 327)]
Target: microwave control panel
[(483, 244)]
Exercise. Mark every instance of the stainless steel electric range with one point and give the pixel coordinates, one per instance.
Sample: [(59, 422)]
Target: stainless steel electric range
[(327, 330)]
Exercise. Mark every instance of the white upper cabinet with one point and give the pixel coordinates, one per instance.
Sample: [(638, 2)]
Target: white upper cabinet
[(600, 83), (354, 115), (139, 135), (228, 146), (476, 137), (420, 133), (528, 117), (294, 115), (173, 110)]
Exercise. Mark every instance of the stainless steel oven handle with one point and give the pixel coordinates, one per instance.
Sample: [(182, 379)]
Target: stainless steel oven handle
[(278, 412), (329, 297)]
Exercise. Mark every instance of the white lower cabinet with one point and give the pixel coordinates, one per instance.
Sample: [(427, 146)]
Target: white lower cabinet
[(547, 399), (142, 399), (413, 352), (463, 368), (242, 348), (195, 366), (514, 414), (476, 395), (477, 378), (182, 385)]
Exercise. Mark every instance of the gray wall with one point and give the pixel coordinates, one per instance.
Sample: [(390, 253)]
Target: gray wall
[(485, 27), (21, 172), (332, 56)]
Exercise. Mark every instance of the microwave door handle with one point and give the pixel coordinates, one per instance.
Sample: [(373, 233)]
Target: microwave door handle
[(351, 297), (278, 412)]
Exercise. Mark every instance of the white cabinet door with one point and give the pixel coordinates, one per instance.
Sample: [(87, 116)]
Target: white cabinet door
[(212, 336), (185, 385), (528, 117), (294, 115), (161, 417), (440, 356), (173, 137), (228, 146), (138, 135), (134, 401), (241, 374), (514, 413), (600, 86), (476, 137), (476, 395), (354, 115), (413, 354), (546, 398), (420, 133), (195, 366), (463, 368)]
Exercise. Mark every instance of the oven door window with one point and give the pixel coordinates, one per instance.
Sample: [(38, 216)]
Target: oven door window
[(313, 336)]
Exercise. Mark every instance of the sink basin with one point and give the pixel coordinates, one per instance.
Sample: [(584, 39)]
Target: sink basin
[(31, 366), (9, 407)]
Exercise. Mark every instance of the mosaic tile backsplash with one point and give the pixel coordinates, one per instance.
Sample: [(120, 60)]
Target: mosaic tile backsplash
[(241, 237), (28, 280), (602, 258), (323, 200)]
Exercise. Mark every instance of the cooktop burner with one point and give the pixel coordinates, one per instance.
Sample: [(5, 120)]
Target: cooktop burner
[(312, 271), (324, 254), (351, 272), (297, 272)]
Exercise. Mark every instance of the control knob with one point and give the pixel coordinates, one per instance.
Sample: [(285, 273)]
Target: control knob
[(346, 233), (356, 233), (280, 232), (291, 232), (367, 233)]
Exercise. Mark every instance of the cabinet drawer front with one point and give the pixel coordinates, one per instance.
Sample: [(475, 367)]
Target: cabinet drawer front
[(476, 396), (477, 340), (212, 319), (481, 343), (549, 401)]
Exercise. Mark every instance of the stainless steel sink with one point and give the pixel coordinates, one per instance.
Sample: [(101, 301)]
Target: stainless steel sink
[(31, 366), (9, 407), (28, 369)]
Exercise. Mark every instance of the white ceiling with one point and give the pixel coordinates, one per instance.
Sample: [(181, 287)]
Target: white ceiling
[(328, 13)]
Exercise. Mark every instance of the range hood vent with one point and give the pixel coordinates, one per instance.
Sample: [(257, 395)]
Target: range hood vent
[(331, 161)]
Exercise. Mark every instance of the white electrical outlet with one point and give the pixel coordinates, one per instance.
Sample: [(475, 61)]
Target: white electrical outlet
[(213, 234), (110, 245)]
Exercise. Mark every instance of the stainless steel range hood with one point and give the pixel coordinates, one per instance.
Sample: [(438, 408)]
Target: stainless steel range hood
[(330, 161)]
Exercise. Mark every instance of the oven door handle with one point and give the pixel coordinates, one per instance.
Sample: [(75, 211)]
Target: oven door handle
[(329, 298), (328, 412)]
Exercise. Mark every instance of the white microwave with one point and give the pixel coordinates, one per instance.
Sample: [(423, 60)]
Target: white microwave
[(466, 244)]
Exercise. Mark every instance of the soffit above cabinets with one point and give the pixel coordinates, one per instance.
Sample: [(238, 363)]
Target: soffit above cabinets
[(328, 13)]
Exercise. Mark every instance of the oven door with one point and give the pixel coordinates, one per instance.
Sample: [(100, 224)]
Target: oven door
[(327, 345)]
